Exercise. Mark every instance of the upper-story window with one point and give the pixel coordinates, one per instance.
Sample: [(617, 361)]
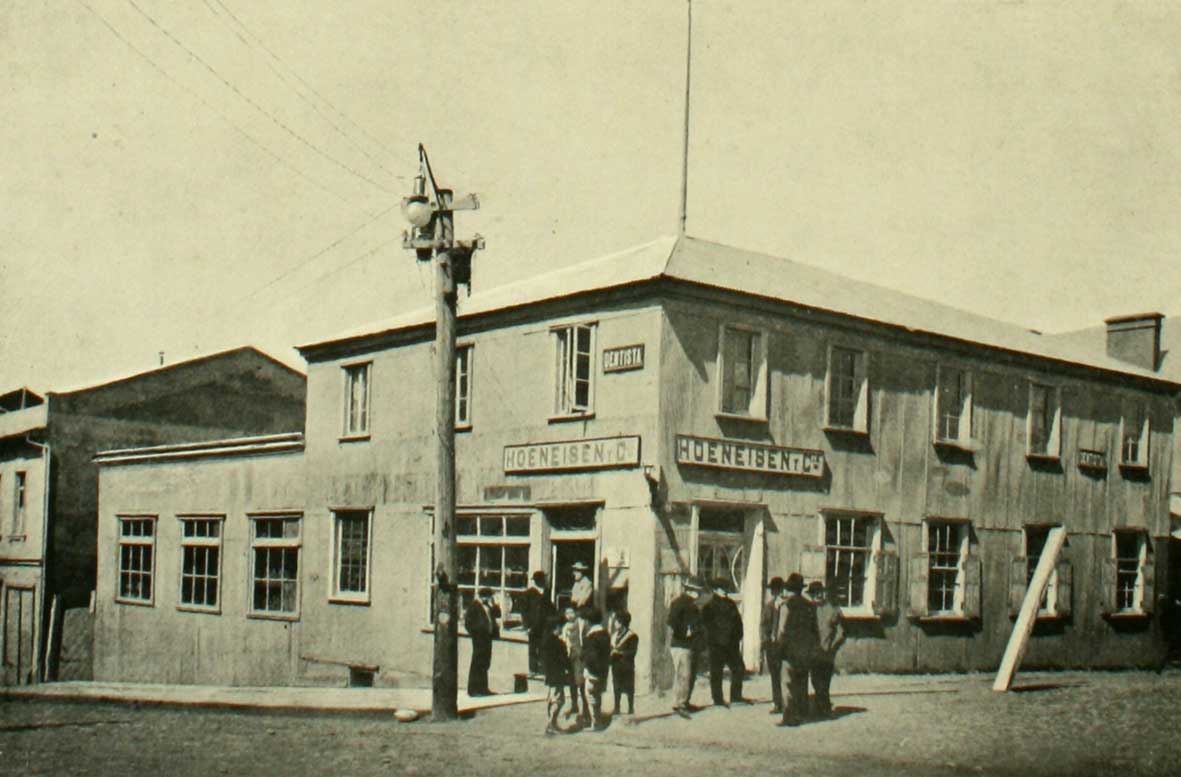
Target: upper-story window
[(574, 350), (953, 406), (742, 365), (356, 399), (1133, 451), (18, 503), (1044, 421), (847, 389), (463, 386)]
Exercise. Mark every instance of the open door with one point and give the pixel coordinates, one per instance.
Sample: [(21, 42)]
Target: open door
[(752, 592)]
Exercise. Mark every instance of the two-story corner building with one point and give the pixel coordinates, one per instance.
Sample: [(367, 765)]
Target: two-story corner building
[(681, 407), (49, 483)]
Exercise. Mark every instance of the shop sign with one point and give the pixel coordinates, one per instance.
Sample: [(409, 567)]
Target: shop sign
[(601, 453), (749, 456), (1092, 459), (628, 357)]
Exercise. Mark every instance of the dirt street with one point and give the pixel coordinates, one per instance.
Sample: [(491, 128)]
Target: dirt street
[(1062, 723)]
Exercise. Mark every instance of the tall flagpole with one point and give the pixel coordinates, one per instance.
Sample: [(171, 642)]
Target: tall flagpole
[(685, 155)]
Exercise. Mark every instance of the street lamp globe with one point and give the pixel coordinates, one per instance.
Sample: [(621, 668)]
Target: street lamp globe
[(417, 210)]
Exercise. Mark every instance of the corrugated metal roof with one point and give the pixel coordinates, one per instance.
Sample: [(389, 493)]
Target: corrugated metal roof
[(725, 267)]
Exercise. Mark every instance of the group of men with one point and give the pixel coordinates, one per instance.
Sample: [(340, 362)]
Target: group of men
[(800, 637)]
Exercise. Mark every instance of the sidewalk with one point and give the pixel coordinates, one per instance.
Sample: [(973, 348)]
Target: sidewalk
[(357, 700), (387, 700)]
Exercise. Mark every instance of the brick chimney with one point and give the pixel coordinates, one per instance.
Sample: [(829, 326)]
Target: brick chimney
[(1135, 339)]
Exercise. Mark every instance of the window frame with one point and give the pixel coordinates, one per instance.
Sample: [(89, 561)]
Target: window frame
[(20, 493), (504, 540), (864, 610), (348, 432), (1053, 448), (757, 404), (283, 543), (1143, 439), (464, 354), (565, 406), (964, 438), (121, 541), (958, 609), (335, 594), (1141, 606), (859, 423), (205, 542)]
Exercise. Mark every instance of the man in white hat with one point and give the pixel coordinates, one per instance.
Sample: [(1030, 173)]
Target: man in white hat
[(582, 593)]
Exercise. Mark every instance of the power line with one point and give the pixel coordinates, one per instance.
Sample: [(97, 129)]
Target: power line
[(282, 125), (160, 69), (294, 88), (262, 44)]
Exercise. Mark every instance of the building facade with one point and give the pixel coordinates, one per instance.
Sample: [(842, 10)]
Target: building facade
[(679, 408), (49, 482)]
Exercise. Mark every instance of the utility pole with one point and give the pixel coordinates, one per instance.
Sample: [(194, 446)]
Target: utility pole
[(433, 240)]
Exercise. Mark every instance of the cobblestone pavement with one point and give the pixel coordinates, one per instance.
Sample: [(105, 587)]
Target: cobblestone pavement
[(1063, 723)]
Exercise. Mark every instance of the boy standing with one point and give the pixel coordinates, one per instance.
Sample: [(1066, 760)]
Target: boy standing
[(572, 637), (624, 644), (596, 657), (556, 665)]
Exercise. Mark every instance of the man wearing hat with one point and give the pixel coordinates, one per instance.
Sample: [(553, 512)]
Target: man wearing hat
[(480, 621), (582, 593), (798, 643), (684, 622), (723, 628), (537, 613), (768, 626), (831, 635)]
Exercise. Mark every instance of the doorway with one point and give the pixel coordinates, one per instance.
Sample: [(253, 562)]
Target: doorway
[(18, 659), (565, 553), (573, 537)]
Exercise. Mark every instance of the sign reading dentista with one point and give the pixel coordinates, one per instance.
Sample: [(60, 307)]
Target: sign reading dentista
[(601, 453), (749, 456)]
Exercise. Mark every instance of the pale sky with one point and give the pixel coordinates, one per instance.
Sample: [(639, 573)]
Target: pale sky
[(191, 176)]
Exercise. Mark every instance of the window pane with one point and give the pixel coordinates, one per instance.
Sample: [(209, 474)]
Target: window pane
[(491, 526), (517, 526), (465, 525), (491, 565), (466, 564)]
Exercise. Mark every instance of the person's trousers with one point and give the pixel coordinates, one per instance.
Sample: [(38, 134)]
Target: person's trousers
[(535, 638), (720, 657), (623, 683), (594, 689), (683, 671), (795, 690), (554, 704), (477, 676), (772, 659), (822, 670)]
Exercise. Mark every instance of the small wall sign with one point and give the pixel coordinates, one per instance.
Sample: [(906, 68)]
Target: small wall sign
[(627, 357), (749, 456), (600, 453), (1096, 460)]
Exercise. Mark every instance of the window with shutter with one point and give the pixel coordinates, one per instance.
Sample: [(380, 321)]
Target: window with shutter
[(1130, 573), (1108, 586), (847, 390), (885, 594)]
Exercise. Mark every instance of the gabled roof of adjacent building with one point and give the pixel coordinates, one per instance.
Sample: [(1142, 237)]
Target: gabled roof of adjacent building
[(712, 265)]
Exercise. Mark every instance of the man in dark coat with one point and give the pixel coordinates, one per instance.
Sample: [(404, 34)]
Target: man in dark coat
[(480, 621), (723, 628), (798, 643), (767, 630), (831, 635), (686, 631), (537, 612)]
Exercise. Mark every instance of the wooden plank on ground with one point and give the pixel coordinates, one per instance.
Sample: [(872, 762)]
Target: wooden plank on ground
[(1019, 639)]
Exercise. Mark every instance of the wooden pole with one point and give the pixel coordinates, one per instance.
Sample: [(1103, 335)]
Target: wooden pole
[(1019, 639), (445, 691)]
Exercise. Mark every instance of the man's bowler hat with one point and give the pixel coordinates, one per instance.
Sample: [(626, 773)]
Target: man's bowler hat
[(795, 583)]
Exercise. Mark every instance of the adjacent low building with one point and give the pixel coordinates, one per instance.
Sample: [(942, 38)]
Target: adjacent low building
[(679, 408), (49, 482)]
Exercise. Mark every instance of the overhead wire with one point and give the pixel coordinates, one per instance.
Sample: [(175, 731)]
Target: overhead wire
[(256, 46), (254, 104), (197, 95), (262, 44)]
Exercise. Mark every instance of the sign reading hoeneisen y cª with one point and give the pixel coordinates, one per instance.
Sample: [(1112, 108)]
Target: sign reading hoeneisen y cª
[(749, 456), (600, 453)]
